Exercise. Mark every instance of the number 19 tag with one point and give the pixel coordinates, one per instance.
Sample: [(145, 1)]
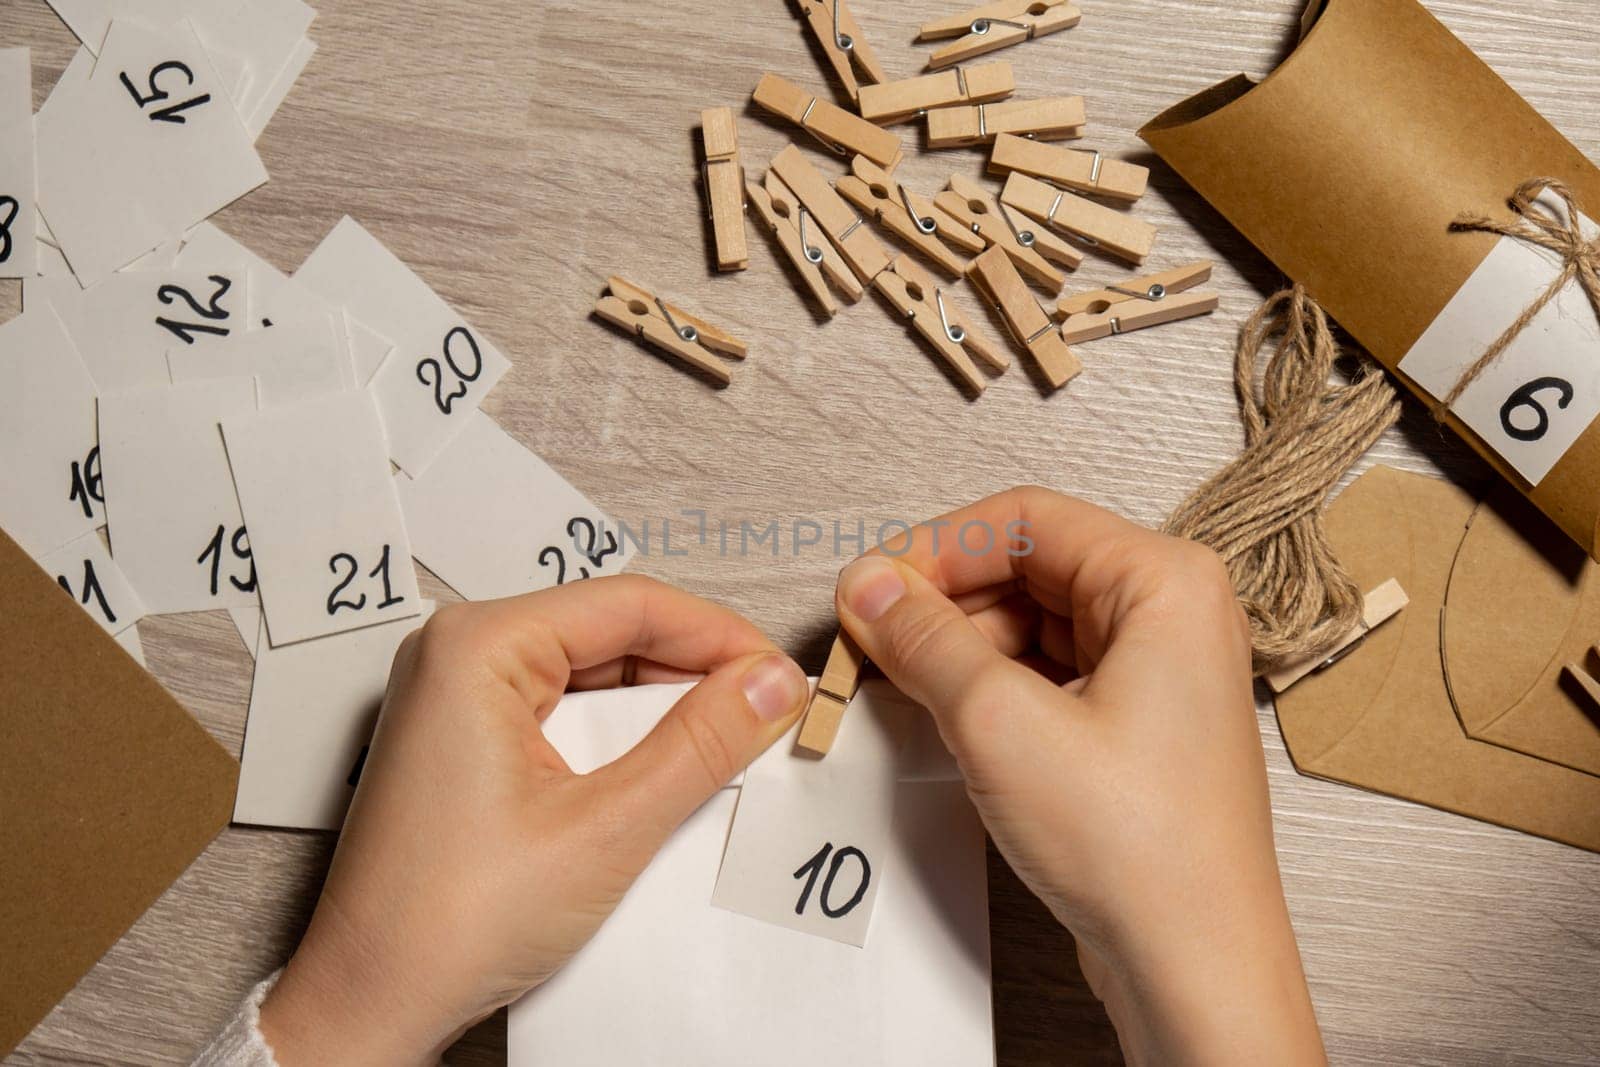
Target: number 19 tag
[(1533, 403)]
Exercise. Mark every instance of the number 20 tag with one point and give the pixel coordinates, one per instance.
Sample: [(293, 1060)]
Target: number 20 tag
[(1533, 403)]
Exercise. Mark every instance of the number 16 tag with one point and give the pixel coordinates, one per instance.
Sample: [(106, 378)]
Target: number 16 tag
[(1533, 403), (811, 837)]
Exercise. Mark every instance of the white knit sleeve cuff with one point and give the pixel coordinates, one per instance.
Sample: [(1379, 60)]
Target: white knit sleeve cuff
[(240, 1043)]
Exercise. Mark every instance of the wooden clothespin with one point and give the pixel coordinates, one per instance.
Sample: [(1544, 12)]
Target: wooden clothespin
[(995, 26), (842, 132), (1093, 224), (842, 42), (1151, 287), (1055, 118), (1084, 172), (916, 220), (1383, 604), (1586, 681), (669, 328), (903, 101), (723, 177), (841, 677), (813, 256), (1137, 314), (843, 226), (997, 281), (933, 313), (1030, 248)]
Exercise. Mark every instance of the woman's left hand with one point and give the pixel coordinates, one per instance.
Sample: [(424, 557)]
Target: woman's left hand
[(474, 862)]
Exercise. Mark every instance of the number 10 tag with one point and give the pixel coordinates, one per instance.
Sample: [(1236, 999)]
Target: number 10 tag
[(1533, 403), (811, 837)]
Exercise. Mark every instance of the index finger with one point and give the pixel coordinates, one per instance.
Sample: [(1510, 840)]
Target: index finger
[(556, 632)]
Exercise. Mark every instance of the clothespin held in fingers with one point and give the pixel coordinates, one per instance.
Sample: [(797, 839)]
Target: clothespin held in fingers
[(810, 253), (668, 328), (1085, 221), (1150, 288), (1382, 604), (995, 26), (997, 281), (933, 314), (1070, 168), (1585, 680), (1055, 118), (841, 677), (1029, 245), (843, 226), (838, 130), (841, 40), (916, 220), (903, 101), (723, 178)]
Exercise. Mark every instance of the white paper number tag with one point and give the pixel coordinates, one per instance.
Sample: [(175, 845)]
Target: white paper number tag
[(330, 548), (180, 540), (493, 520), (811, 837), (442, 367), (50, 486), (1533, 403), (86, 571), (18, 228)]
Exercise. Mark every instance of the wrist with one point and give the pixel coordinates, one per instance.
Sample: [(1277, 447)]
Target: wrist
[(334, 1005), (1225, 988)]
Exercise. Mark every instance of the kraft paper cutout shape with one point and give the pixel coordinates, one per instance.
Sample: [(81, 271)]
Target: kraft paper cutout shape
[(1382, 718), (1523, 602), (1346, 167)]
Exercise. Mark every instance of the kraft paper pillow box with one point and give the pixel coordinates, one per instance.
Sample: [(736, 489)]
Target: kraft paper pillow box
[(1346, 167), (108, 790)]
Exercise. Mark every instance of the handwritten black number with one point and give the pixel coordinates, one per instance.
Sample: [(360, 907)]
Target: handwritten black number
[(1525, 398), (361, 763), (812, 868), (240, 544), (172, 112), (587, 547), (214, 310), (435, 381), (334, 603), (86, 486), (560, 557), (9, 207), (91, 584), (381, 572)]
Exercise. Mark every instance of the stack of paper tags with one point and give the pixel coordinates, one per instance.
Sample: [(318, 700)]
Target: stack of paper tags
[(232, 432)]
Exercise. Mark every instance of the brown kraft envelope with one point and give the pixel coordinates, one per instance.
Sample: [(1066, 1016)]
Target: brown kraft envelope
[(1523, 602), (1346, 167), (108, 790), (1382, 718)]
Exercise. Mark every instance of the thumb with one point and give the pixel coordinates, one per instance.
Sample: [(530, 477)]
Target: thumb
[(930, 650), (712, 733)]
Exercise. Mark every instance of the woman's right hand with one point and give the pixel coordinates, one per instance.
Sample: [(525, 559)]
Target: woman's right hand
[(1093, 680)]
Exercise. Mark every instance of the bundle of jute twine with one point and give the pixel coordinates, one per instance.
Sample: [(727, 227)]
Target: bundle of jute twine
[(1263, 512)]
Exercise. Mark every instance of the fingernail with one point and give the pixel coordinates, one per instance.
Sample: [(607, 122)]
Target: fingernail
[(774, 686), (871, 586)]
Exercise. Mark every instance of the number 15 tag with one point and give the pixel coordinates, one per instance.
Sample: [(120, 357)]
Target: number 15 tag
[(811, 837), (1532, 404)]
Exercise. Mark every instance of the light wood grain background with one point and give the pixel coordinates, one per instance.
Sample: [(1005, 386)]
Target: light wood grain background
[(516, 153)]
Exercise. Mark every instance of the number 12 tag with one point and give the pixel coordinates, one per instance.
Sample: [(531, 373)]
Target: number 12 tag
[(1533, 403), (811, 838)]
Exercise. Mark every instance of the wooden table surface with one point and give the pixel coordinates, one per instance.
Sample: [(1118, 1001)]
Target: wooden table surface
[(517, 153)]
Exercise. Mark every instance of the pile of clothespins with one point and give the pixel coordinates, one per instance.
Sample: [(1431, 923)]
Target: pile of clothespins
[(1037, 227)]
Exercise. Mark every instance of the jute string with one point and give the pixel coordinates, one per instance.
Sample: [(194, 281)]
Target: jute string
[(1263, 512), (1537, 224)]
